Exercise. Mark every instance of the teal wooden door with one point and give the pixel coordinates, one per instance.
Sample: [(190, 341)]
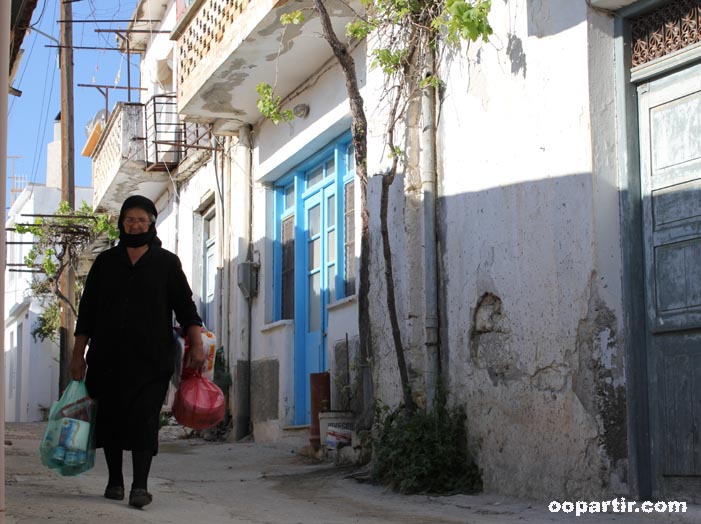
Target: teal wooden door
[(670, 169)]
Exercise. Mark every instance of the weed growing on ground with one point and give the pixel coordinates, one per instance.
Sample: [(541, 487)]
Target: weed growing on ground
[(424, 452)]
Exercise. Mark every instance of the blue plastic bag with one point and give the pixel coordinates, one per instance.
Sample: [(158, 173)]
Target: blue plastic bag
[(68, 446)]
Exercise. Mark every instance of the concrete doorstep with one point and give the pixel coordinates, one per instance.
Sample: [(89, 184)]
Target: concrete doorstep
[(196, 481)]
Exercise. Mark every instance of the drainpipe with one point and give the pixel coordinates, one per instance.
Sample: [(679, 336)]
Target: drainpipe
[(5, 16), (220, 214), (225, 295), (428, 186), (243, 159), (176, 222)]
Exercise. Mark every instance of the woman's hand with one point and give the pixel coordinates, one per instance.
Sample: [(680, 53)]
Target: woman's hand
[(195, 357), (78, 366)]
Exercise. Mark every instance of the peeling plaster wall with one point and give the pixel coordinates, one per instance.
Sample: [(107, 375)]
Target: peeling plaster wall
[(529, 254)]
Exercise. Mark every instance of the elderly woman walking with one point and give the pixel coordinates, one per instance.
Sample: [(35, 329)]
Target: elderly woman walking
[(125, 317)]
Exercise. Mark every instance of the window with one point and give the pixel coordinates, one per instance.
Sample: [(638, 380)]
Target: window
[(209, 265), (349, 222), (181, 6), (349, 237), (288, 267)]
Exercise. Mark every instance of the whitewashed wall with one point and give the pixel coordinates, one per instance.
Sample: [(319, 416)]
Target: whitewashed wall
[(157, 62), (35, 386), (529, 253), (179, 226)]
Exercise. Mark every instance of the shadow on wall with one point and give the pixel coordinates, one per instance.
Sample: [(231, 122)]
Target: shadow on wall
[(543, 333), (549, 17)]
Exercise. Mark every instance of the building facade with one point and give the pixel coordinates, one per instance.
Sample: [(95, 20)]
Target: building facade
[(543, 249), (31, 365)]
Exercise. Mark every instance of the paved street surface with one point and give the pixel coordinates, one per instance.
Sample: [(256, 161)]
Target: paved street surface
[(198, 482)]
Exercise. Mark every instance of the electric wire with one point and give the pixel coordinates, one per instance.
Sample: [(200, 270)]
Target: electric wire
[(39, 143)]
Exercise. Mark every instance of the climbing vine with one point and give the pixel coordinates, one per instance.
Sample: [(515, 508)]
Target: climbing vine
[(59, 242)]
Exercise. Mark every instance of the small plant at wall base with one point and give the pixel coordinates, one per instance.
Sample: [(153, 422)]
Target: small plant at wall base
[(425, 452)]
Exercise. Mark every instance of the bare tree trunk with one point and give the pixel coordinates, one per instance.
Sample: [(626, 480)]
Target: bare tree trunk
[(359, 128), (409, 406), (359, 133)]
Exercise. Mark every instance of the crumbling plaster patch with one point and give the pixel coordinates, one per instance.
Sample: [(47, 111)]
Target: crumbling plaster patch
[(599, 382), (589, 378)]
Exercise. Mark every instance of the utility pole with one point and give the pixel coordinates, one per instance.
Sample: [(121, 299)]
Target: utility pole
[(67, 183)]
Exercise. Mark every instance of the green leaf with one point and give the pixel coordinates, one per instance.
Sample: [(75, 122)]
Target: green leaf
[(359, 29), (48, 323), (295, 17), (57, 247), (269, 105), (389, 60), (467, 20)]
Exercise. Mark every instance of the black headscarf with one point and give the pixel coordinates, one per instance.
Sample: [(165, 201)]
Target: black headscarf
[(140, 239)]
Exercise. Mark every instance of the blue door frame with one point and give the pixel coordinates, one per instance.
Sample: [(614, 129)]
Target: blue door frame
[(319, 266)]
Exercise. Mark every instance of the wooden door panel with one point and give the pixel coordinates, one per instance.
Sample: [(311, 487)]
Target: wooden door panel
[(670, 170)]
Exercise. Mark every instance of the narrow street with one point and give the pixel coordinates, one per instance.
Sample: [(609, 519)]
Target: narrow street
[(195, 481)]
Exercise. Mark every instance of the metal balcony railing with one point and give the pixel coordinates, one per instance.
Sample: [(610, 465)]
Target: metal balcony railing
[(168, 140), (139, 141), (163, 135)]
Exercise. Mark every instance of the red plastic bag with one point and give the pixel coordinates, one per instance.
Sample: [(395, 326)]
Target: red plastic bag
[(199, 403)]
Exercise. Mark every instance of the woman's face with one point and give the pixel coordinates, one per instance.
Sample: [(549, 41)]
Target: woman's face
[(136, 221)]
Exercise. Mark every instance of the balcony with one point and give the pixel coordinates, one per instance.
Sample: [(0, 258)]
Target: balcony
[(227, 47), (143, 148)]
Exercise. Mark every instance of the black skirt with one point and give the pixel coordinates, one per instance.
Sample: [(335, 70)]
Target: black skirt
[(128, 410)]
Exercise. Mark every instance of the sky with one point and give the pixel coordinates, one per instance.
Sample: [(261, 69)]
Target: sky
[(31, 116)]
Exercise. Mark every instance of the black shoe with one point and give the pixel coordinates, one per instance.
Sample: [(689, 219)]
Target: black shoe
[(114, 492), (139, 497)]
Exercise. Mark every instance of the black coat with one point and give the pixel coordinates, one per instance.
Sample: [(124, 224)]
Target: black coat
[(127, 313)]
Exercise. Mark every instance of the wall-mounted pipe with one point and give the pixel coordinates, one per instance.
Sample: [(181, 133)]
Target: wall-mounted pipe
[(428, 187), (243, 376)]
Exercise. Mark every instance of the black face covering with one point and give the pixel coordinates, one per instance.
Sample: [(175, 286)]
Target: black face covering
[(139, 239)]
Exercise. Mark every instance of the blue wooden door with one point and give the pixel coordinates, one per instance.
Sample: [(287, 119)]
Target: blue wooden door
[(316, 277), (670, 168)]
